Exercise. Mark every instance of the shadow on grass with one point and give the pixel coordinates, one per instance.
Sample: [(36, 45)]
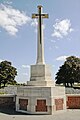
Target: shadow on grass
[(11, 111)]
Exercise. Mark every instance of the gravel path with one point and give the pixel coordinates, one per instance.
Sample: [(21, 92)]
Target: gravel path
[(69, 115)]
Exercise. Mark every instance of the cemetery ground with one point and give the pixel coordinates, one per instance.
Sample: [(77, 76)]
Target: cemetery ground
[(70, 114)]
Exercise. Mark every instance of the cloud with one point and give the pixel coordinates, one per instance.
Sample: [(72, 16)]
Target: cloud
[(62, 28), (8, 2), (25, 66), (11, 19), (53, 41), (34, 23), (1, 60), (62, 58)]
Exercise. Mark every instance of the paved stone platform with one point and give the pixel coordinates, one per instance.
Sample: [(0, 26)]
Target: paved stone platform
[(69, 115)]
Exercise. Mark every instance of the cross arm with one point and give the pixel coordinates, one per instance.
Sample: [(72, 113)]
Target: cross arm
[(42, 15), (35, 15), (45, 15)]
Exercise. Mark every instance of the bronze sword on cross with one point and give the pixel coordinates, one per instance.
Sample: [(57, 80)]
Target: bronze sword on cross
[(40, 15)]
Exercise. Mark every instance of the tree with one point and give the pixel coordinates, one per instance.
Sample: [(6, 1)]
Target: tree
[(7, 73), (69, 72)]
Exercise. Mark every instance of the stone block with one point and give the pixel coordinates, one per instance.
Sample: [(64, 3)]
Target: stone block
[(40, 76), (41, 100)]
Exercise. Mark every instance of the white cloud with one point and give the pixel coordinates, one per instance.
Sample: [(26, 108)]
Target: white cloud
[(62, 58), (25, 66), (11, 19), (1, 60), (8, 2), (62, 28), (53, 41), (34, 23)]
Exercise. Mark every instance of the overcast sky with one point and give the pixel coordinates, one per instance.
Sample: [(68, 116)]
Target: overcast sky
[(18, 33)]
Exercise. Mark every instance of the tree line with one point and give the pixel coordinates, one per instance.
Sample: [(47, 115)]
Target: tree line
[(69, 72), (7, 73)]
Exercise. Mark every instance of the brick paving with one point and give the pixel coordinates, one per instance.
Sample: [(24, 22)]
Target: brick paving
[(68, 115)]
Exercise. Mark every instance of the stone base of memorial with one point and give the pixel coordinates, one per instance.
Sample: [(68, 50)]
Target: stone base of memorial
[(40, 100)]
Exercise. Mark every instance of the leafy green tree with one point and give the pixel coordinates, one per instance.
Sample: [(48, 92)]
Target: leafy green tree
[(69, 72), (7, 73)]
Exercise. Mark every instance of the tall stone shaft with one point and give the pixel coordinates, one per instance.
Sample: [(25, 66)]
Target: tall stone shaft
[(40, 74), (40, 42)]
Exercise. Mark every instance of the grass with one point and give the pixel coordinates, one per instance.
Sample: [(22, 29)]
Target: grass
[(2, 93)]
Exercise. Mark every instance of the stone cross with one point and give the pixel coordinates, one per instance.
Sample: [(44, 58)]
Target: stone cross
[(40, 46)]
